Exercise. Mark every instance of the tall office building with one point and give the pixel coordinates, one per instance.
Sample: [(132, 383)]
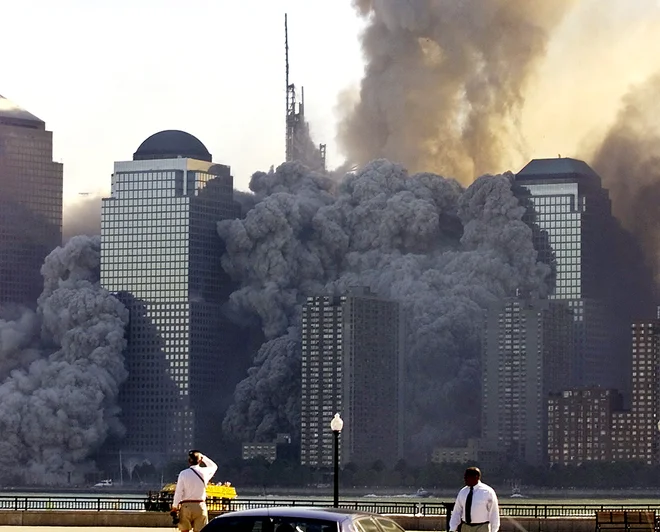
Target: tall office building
[(591, 424), (573, 212), (30, 203), (321, 384), (352, 349), (635, 433), (524, 355), (160, 253)]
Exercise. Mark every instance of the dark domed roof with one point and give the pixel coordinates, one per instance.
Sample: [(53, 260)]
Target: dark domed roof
[(171, 144)]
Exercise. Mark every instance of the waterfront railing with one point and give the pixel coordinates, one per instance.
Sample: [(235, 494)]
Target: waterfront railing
[(420, 508)]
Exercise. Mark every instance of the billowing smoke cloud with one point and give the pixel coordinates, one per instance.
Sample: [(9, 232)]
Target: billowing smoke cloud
[(82, 218), (61, 369), (629, 161), (444, 81), (442, 251)]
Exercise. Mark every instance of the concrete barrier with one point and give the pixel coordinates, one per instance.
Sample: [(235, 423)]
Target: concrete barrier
[(34, 518)]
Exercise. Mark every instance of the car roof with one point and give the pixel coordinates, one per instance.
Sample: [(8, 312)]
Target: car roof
[(330, 514)]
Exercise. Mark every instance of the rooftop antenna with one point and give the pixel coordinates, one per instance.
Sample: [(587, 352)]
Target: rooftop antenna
[(290, 98), (286, 59), (295, 112)]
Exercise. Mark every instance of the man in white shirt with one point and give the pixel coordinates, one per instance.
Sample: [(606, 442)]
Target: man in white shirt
[(476, 508), (190, 493)]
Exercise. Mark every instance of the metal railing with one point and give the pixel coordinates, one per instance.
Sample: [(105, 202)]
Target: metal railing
[(97, 504), (139, 503)]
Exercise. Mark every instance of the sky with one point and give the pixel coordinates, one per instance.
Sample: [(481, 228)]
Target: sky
[(105, 75)]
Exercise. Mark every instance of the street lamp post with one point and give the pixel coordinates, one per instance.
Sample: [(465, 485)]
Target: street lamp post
[(336, 425)]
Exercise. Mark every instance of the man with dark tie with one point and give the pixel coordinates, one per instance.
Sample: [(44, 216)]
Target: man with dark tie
[(476, 508)]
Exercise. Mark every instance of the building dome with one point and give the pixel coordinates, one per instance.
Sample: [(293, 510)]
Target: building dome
[(172, 144)]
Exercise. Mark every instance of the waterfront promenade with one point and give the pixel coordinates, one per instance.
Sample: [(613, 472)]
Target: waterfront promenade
[(62, 513)]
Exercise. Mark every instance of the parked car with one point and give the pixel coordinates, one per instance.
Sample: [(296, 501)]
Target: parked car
[(299, 519)]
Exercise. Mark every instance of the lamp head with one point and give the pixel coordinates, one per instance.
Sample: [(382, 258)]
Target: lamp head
[(336, 424)]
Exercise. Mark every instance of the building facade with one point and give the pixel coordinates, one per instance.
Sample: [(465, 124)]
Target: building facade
[(572, 214), (30, 203), (524, 346), (321, 383), (591, 424), (352, 349), (267, 451), (580, 425), (160, 253), (454, 455), (635, 432)]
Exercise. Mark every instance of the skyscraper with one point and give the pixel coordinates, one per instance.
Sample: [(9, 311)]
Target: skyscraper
[(525, 347), (592, 425), (30, 203), (160, 253), (635, 433), (352, 349), (321, 384), (573, 212)]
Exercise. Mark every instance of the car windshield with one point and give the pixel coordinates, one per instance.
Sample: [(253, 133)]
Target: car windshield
[(270, 524)]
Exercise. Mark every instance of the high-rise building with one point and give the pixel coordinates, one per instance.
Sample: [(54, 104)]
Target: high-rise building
[(635, 433), (30, 203), (526, 343), (160, 253), (352, 349), (321, 385), (580, 425), (591, 424), (572, 211)]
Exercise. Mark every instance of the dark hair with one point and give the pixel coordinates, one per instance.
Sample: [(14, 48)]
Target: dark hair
[(473, 472), (194, 457)]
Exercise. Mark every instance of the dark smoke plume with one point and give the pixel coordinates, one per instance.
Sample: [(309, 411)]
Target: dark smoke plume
[(61, 369), (444, 81), (442, 251), (629, 162)]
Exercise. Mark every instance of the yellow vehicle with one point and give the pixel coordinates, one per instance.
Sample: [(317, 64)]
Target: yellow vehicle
[(217, 497)]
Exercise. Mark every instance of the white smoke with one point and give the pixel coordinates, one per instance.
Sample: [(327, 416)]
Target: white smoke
[(82, 217), (58, 400), (442, 251)]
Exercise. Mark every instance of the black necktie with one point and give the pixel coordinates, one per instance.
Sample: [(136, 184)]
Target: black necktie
[(468, 507)]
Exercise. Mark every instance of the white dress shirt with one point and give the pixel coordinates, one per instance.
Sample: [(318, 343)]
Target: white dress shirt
[(189, 487), (485, 507)]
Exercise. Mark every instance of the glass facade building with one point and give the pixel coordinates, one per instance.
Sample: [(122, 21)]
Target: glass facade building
[(30, 203), (352, 349), (160, 253), (572, 213)]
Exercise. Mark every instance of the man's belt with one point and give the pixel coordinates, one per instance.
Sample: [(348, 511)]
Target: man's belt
[(183, 502), (476, 524)]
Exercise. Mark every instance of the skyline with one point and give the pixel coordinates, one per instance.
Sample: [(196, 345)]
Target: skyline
[(125, 92), (237, 111)]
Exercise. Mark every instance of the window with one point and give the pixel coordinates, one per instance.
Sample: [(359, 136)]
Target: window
[(367, 525), (388, 525), (240, 524)]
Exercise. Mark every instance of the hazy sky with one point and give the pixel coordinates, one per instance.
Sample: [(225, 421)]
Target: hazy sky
[(104, 75)]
